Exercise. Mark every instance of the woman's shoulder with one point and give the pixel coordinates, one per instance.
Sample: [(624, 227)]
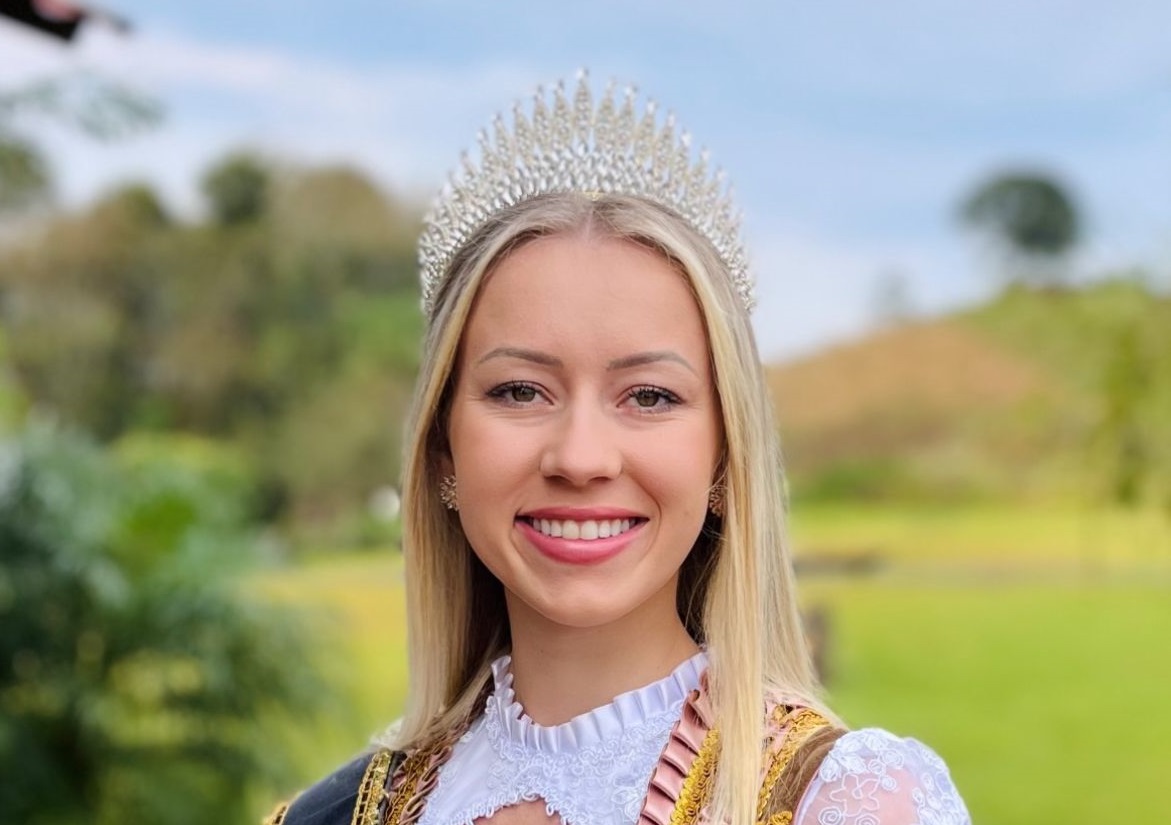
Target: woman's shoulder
[(871, 775), (340, 797)]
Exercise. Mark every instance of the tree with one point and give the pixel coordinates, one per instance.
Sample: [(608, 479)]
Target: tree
[(120, 319), (24, 176), (237, 189), (1033, 219), (13, 405), (135, 679), (84, 303), (1126, 385)]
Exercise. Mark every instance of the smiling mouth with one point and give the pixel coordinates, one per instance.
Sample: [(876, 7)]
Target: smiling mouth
[(587, 530)]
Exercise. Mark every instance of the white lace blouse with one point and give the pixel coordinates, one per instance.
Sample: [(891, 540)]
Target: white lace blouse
[(872, 777), (594, 769)]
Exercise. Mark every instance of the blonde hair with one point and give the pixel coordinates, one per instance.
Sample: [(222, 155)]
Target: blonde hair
[(736, 588)]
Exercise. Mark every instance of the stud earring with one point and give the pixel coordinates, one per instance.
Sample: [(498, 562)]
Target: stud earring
[(715, 499), (447, 493)]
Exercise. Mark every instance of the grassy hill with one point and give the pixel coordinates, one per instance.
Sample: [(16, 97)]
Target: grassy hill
[(1037, 395)]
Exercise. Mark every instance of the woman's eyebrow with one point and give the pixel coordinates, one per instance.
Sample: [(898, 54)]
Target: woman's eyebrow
[(641, 359), (536, 356)]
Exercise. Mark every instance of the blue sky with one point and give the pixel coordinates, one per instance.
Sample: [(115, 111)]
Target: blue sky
[(850, 129)]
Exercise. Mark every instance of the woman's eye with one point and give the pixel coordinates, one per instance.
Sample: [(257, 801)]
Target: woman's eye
[(515, 393), (522, 394), (650, 398)]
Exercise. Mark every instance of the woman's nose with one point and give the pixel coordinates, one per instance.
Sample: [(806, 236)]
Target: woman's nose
[(583, 448)]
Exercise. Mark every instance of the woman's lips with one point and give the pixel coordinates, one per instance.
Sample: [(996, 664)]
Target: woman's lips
[(579, 550)]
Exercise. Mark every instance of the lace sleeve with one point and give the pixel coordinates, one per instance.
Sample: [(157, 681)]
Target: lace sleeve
[(872, 777)]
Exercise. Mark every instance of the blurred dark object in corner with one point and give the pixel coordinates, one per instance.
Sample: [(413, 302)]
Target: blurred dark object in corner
[(58, 18)]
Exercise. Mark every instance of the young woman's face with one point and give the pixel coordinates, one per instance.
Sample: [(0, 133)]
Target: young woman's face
[(584, 429)]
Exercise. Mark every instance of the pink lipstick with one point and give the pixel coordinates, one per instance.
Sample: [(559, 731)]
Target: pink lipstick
[(595, 548)]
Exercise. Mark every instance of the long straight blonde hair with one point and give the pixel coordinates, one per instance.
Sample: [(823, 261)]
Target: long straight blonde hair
[(736, 588)]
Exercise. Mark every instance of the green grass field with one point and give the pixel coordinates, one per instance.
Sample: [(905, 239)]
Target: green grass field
[(1047, 695)]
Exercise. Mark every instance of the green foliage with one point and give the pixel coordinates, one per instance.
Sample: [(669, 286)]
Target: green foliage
[(1108, 346), (137, 205), (237, 189), (12, 402), (24, 175), (292, 336), (136, 680), (1030, 214), (1126, 381), (860, 480)]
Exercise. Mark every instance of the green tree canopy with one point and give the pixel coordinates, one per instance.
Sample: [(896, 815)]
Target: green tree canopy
[(291, 335), (237, 189), (135, 677), (24, 175), (1030, 214)]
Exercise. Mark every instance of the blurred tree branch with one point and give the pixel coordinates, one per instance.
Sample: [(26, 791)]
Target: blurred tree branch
[(100, 109)]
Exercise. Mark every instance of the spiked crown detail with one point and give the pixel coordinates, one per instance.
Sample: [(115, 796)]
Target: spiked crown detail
[(575, 146)]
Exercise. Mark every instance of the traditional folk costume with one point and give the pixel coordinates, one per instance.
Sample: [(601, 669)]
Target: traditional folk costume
[(646, 758)]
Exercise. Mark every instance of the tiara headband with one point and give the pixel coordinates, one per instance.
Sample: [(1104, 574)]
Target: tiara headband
[(577, 147)]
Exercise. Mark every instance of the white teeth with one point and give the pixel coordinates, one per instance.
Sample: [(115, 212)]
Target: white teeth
[(583, 530)]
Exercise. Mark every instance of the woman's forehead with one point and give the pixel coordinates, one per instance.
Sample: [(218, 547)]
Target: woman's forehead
[(584, 292)]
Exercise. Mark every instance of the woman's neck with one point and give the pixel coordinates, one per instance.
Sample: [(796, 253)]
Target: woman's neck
[(560, 672)]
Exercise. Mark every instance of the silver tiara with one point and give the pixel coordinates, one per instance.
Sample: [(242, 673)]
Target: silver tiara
[(574, 146)]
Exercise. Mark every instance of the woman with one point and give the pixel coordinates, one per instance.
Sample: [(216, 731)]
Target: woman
[(602, 618)]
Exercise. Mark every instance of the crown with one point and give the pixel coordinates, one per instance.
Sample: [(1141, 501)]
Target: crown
[(574, 146)]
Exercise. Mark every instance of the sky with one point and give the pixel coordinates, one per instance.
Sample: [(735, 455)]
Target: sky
[(851, 130)]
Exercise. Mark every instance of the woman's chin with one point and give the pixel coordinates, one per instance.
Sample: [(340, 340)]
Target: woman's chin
[(582, 608)]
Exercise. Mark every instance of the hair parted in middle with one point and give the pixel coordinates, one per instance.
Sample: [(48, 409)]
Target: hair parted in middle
[(736, 590)]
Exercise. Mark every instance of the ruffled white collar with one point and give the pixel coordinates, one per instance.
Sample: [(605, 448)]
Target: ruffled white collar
[(591, 770)]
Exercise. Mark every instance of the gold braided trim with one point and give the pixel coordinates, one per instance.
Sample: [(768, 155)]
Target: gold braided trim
[(372, 789), (419, 768), (417, 775), (783, 818), (277, 817), (801, 723), (411, 772), (697, 786)]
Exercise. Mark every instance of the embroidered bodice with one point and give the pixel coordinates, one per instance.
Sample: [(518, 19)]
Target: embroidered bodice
[(646, 758), (592, 770)]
